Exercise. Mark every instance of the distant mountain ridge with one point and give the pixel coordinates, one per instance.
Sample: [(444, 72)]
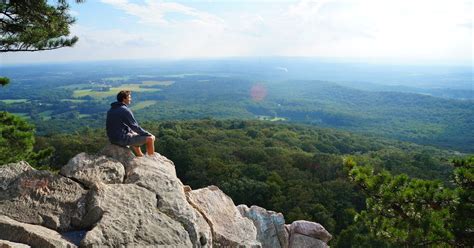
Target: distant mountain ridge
[(406, 116)]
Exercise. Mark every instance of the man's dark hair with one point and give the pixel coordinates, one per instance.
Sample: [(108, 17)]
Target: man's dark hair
[(123, 94)]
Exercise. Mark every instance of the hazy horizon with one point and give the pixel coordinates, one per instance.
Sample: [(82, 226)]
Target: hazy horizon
[(356, 73)]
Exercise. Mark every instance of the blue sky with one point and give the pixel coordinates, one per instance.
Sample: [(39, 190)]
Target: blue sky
[(393, 31)]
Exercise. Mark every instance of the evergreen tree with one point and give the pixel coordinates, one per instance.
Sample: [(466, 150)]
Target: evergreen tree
[(29, 25), (464, 212), (16, 138), (34, 25), (408, 212)]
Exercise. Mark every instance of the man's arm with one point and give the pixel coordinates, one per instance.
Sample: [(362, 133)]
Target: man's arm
[(130, 121)]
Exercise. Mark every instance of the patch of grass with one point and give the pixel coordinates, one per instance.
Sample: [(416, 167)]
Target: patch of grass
[(111, 92), (84, 115), (10, 101), (142, 105)]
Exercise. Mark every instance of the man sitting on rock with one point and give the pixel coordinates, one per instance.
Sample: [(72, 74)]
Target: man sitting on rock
[(123, 129)]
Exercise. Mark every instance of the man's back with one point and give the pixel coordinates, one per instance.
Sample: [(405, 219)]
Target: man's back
[(116, 128)]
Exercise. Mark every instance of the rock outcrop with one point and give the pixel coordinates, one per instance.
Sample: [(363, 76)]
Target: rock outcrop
[(162, 181), (92, 169), (229, 227), (115, 199), (40, 197), (271, 231), (310, 229), (126, 214)]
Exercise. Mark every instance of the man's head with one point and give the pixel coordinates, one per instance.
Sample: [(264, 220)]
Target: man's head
[(125, 96)]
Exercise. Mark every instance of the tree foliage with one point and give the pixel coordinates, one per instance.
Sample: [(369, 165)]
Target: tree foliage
[(16, 138), (29, 25), (34, 25), (414, 212), (4, 81), (464, 214)]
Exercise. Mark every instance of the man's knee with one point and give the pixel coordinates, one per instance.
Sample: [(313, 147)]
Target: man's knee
[(150, 138)]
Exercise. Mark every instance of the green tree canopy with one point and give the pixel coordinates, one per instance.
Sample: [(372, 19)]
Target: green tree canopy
[(464, 212), (403, 210), (16, 138), (34, 25)]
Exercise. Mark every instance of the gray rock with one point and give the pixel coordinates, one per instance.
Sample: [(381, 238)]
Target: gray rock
[(122, 154), (311, 229), (8, 244), (90, 169), (40, 197), (127, 216), (33, 235), (271, 231), (228, 226), (301, 241), (10, 172), (157, 174)]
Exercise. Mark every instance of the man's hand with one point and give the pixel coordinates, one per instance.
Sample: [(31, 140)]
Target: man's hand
[(150, 139)]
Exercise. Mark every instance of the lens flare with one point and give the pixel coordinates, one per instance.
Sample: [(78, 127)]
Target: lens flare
[(258, 92)]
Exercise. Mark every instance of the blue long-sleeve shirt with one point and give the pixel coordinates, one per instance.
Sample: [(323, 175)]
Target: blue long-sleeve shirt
[(120, 124)]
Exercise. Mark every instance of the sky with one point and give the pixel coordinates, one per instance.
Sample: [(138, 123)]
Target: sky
[(391, 31)]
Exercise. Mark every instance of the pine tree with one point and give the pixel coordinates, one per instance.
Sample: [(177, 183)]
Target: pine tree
[(28, 26), (34, 25), (405, 211), (16, 138), (464, 211)]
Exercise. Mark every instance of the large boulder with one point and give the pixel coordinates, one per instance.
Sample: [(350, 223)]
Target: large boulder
[(127, 215), (32, 235), (302, 241), (310, 229), (40, 197), (271, 231), (91, 169), (228, 226), (157, 174), (122, 154)]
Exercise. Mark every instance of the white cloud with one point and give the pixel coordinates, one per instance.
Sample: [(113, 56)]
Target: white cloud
[(432, 30), (154, 12)]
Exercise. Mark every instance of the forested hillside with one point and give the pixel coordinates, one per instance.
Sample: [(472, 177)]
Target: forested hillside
[(61, 101), (294, 169)]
